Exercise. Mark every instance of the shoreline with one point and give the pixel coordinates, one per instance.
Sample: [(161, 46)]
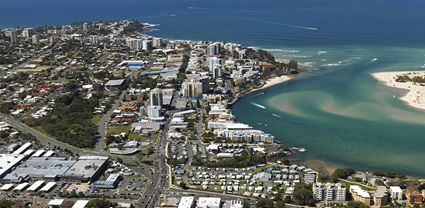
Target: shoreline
[(273, 81), (269, 83), (415, 93)]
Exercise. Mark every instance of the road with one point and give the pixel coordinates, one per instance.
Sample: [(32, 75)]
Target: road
[(207, 193), (42, 138), (160, 174), (100, 145)]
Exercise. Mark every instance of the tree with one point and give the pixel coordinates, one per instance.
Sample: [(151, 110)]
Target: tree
[(4, 203), (183, 185), (280, 204), (293, 64), (246, 204), (70, 121), (303, 194), (342, 173), (354, 204), (6, 107), (264, 203), (99, 203)]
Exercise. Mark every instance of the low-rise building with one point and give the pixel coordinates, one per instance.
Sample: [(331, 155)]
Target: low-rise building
[(112, 85), (7, 162), (360, 195), (186, 202), (87, 168), (110, 183), (48, 168), (208, 202), (414, 197), (380, 197), (396, 193)]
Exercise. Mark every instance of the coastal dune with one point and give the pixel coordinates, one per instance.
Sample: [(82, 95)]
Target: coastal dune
[(415, 95)]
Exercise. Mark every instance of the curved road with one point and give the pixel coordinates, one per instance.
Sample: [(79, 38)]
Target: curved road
[(42, 138), (100, 145)]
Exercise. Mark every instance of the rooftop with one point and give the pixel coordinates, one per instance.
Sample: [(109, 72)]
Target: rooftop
[(45, 167), (116, 82), (8, 161)]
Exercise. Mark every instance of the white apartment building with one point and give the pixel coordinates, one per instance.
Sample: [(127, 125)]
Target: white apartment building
[(329, 192)]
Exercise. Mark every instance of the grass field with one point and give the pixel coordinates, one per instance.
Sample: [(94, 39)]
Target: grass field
[(351, 182), (96, 118), (118, 129)]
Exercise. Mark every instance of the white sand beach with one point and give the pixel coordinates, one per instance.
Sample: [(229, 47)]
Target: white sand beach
[(276, 80), (416, 92), (273, 81)]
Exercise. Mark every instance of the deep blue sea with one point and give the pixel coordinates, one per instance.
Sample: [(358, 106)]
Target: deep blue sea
[(339, 113), (253, 22)]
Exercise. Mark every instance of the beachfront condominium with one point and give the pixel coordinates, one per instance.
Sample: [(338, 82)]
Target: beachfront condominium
[(213, 62), (134, 43), (329, 192), (192, 89), (239, 132), (35, 39), (217, 73), (27, 33), (155, 97), (85, 26), (147, 45), (13, 37), (213, 49), (158, 42), (360, 195)]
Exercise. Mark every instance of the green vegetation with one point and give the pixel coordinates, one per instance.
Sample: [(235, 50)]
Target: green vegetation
[(118, 129), (134, 27), (19, 77), (269, 203), (303, 194), (96, 118), (260, 55), (292, 64), (149, 150), (144, 82), (4, 203), (389, 174), (342, 173), (71, 120), (183, 185), (7, 60), (407, 78), (264, 203), (347, 183), (6, 107), (353, 204), (99, 203), (279, 67)]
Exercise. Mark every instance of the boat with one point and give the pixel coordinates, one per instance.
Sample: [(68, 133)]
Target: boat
[(302, 150), (298, 149)]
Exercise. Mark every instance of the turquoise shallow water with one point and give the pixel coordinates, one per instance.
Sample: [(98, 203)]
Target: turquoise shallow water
[(339, 113), (344, 116)]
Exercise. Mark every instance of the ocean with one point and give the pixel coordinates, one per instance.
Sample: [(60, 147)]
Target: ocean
[(337, 111)]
